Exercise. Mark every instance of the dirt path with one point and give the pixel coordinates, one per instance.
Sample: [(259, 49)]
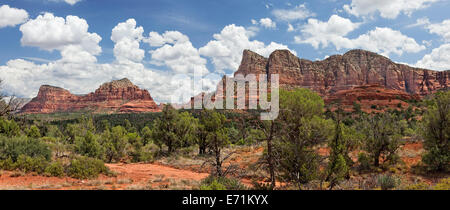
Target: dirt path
[(129, 176)]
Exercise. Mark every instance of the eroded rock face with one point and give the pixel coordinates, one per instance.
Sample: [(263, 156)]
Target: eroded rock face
[(344, 72), (116, 96)]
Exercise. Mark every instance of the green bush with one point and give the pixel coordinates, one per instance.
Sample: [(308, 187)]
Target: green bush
[(16, 146), (387, 182), (31, 164), (86, 168), (7, 164), (221, 183), (364, 162), (55, 169), (214, 185)]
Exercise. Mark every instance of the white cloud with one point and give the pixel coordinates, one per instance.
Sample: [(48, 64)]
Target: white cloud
[(227, 47), (318, 33), (12, 16), (127, 37), (441, 29), (387, 8), (267, 23), (380, 40), (79, 72), (71, 2), (438, 59), (176, 52), (49, 32), (299, 12), (419, 22), (387, 41), (290, 28)]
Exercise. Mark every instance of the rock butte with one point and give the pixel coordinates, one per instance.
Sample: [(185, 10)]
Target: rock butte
[(356, 75), (116, 96)]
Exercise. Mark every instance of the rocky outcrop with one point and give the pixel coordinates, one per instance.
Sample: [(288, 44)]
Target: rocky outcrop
[(116, 96), (344, 72)]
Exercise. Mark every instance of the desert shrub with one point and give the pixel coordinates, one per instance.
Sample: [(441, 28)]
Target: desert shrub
[(214, 185), (7, 164), (31, 164), (16, 146), (9, 128), (86, 168), (436, 133), (418, 186), (89, 146), (221, 183), (443, 184), (387, 182), (34, 132), (364, 162), (55, 169)]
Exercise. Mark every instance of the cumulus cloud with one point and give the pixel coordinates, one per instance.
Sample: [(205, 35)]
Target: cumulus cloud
[(78, 70), (49, 32), (127, 37), (12, 16), (267, 23), (441, 29), (387, 41), (226, 49), (299, 12), (177, 52), (381, 40), (386, 8), (318, 33), (438, 59)]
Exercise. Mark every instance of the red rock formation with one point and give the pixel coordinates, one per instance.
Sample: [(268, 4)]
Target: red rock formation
[(116, 96), (356, 73), (343, 72)]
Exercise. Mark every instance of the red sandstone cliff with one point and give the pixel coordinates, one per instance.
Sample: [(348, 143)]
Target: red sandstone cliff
[(342, 72), (357, 75), (116, 96)]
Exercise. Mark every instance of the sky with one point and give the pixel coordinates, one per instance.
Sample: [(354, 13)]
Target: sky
[(163, 45)]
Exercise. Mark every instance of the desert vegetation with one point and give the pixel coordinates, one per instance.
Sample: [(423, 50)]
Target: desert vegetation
[(309, 146)]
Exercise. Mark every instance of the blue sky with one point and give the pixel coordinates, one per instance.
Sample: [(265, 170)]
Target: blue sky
[(415, 32)]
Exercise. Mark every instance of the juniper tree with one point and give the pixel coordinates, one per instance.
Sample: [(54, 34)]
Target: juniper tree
[(303, 127), (436, 133)]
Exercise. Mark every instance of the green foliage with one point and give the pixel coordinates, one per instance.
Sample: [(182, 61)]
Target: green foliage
[(436, 132), (146, 134), (174, 129), (9, 128), (115, 143), (382, 137), (364, 162), (89, 146), (31, 164), (214, 185), (387, 182), (86, 168), (16, 146), (221, 183), (301, 117), (55, 169)]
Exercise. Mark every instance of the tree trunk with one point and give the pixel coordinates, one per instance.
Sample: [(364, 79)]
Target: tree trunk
[(270, 156)]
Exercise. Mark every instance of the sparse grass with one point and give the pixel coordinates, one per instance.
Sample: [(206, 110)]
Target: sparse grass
[(124, 181)]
